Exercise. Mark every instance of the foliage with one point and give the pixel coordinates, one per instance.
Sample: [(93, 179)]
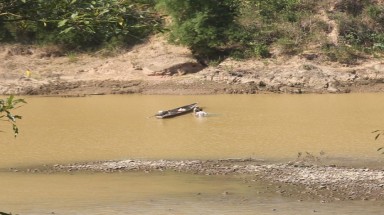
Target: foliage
[(361, 25), (342, 54), (273, 23), (376, 22), (273, 10), (77, 23), (6, 105), (204, 26), (212, 29), (290, 26), (353, 7), (356, 32), (260, 50)]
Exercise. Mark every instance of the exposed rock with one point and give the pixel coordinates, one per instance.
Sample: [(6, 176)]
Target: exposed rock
[(174, 69), (162, 68)]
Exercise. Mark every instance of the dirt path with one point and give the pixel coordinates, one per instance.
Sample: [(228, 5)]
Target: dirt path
[(157, 67)]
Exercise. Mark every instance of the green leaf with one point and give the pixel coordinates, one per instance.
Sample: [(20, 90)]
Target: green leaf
[(66, 30), (104, 11), (9, 104), (74, 15), (62, 23), (9, 101)]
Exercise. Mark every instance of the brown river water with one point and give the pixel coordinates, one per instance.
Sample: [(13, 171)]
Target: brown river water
[(270, 127)]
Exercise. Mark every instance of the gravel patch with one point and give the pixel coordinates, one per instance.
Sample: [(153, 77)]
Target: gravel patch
[(328, 183)]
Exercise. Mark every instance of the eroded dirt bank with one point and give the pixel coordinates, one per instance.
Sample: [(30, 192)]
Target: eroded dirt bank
[(157, 67)]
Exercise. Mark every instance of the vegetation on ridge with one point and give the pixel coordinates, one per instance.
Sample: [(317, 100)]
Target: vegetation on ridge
[(343, 30), (77, 24)]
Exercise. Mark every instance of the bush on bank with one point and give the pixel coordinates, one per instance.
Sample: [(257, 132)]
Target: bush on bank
[(210, 28), (206, 27), (77, 24)]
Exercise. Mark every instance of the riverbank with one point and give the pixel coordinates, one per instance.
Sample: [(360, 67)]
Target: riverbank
[(158, 67), (299, 179)]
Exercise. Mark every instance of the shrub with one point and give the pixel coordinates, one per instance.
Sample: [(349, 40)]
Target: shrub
[(77, 24), (261, 50), (287, 46), (205, 26), (352, 7), (342, 54)]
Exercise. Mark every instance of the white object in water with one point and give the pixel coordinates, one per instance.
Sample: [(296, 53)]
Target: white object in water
[(201, 114)]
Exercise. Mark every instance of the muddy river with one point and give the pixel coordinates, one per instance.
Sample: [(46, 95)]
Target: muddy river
[(270, 127)]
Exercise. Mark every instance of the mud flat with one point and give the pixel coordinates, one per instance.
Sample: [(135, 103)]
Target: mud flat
[(326, 183)]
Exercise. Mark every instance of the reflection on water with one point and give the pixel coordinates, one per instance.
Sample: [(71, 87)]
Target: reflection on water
[(62, 130)]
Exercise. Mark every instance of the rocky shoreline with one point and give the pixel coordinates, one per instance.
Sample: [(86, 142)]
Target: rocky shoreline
[(158, 67), (213, 80), (298, 179)]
